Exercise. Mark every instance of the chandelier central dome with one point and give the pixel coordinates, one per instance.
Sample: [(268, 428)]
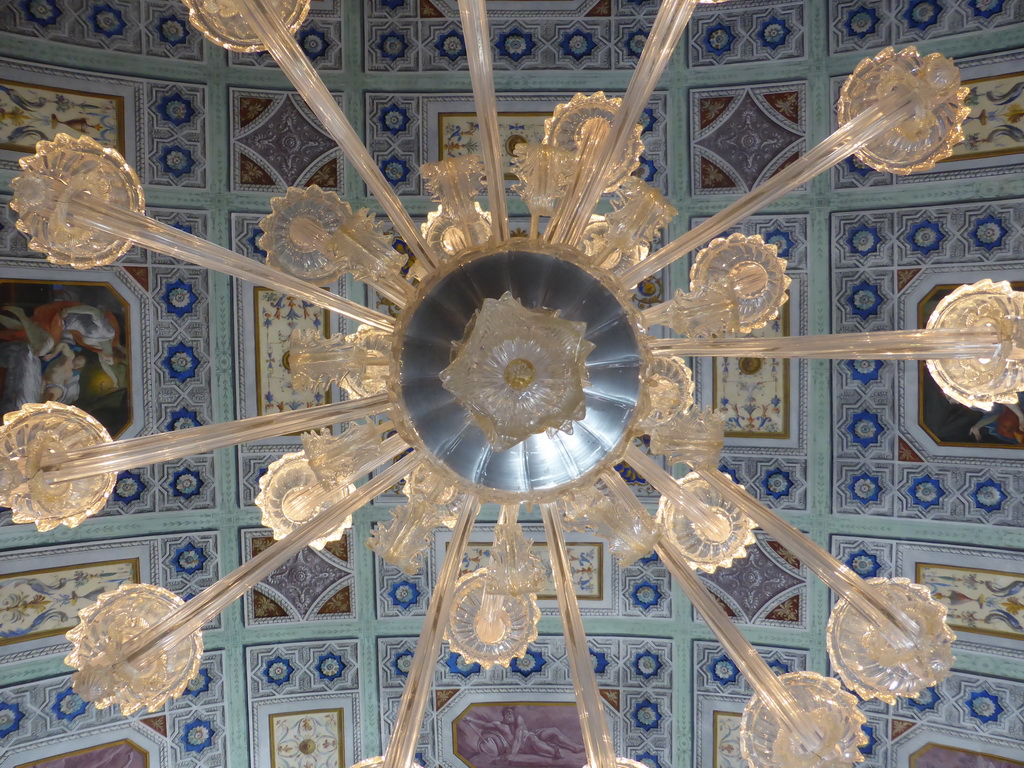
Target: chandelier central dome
[(518, 369)]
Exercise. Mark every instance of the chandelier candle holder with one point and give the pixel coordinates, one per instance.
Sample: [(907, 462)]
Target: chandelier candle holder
[(121, 649), (898, 112), (81, 204), (886, 637), (516, 371), (247, 26)]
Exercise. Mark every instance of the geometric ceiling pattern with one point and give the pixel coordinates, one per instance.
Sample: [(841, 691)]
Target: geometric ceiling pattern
[(868, 457)]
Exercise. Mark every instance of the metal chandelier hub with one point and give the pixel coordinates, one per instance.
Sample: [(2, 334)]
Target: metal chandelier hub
[(539, 276)]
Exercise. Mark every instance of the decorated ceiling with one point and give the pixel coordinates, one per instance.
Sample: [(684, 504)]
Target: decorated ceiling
[(307, 670)]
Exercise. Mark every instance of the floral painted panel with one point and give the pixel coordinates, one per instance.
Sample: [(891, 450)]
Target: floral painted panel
[(981, 601), (459, 134), (277, 316), (586, 562), (994, 127), (727, 740), (44, 603), (307, 740), (753, 392), (30, 113)]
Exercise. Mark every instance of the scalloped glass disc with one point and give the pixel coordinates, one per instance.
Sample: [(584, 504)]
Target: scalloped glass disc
[(282, 489), (490, 629), (221, 22)]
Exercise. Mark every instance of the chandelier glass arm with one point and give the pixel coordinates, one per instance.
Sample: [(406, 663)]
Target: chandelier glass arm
[(87, 210), (921, 344), (290, 57), (869, 124), (409, 721), (190, 617), (478, 50), (596, 737), (899, 629), (77, 463), (786, 711), (573, 213)]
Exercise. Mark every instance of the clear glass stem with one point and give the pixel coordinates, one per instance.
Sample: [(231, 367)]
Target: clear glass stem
[(784, 708), (163, 238), (596, 737), (402, 747), (666, 485), (150, 449), (922, 344), (574, 211), (182, 622), (899, 629), (296, 66), (869, 124), (479, 52)]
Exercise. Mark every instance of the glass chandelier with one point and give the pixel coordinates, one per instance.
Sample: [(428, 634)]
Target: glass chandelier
[(517, 372)]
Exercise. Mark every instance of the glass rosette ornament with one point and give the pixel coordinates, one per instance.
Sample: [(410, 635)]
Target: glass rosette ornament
[(102, 636), (713, 540), (36, 436), (358, 362), (488, 627), (694, 437), (886, 664), (765, 743), (668, 394), (935, 125), (982, 382), (459, 222), (59, 171)]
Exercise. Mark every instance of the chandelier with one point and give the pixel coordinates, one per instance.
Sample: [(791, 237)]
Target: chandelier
[(517, 372)]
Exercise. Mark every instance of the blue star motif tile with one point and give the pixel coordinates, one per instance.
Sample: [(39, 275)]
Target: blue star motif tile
[(451, 45), (176, 109), (393, 119), (188, 559), (988, 232), (515, 44), (647, 664), (329, 666), (647, 759), (718, 39), (773, 32), (646, 170), (861, 22), (128, 487), (198, 735), (577, 43), (921, 14), (460, 666), (925, 237), (863, 240), (392, 45), (253, 242), (277, 671), (313, 42), (729, 471), (865, 488), (600, 661), (864, 371), (68, 705), (635, 42), (722, 670), (181, 362), (198, 684), (172, 30), (645, 595), (107, 21), (865, 429), (182, 419), (395, 169), (984, 707), (404, 594), (855, 165), (178, 298), (777, 483), (42, 12), (176, 160), (864, 564), (925, 700), (864, 300), (988, 496), (780, 239), (645, 715), (185, 483), (869, 748), (530, 662), (986, 9), (778, 667), (647, 120), (401, 663), (926, 492)]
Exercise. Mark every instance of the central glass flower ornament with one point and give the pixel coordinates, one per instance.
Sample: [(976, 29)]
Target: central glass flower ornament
[(520, 371)]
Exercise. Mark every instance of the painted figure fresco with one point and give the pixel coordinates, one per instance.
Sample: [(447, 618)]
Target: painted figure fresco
[(520, 735), (65, 343), (119, 754), (950, 423)]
